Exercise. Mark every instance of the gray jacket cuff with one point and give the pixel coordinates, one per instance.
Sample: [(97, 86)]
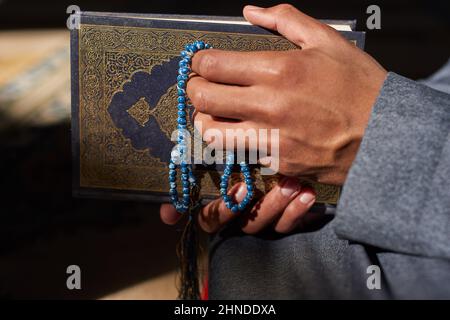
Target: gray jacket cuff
[(397, 194)]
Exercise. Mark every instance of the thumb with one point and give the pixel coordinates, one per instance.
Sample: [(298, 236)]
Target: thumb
[(294, 25)]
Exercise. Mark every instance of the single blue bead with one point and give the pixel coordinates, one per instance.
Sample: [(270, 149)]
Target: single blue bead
[(181, 106), (241, 206), (227, 171), (186, 184), (234, 208), (223, 184), (182, 84), (229, 204), (184, 177), (172, 173), (223, 192), (173, 192), (200, 45), (182, 113), (250, 194), (248, 181), (184, 53), (172, 166), (208, 46), (226, 198), (180, 92), (191, 48), (250, 187), (183, 63), (183, 77), (181, 121), (186, 190), (181, 99), (172, 178), (185, 170), (183, 70)]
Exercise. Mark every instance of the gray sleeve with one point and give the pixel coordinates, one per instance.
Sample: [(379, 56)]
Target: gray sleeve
[(397, 193)]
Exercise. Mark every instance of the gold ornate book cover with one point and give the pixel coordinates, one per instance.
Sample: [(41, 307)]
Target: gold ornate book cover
[(123, 74)]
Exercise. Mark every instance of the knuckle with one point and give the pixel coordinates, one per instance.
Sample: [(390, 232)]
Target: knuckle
[(200, 100), (207, 63), (273, 113), (284, 8), (281, 67)]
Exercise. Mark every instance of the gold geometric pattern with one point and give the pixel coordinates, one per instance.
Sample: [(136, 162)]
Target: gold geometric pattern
[(140, 111), (108, 58)]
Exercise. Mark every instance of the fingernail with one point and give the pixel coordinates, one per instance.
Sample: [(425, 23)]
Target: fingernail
[(289, 187), (307, 198), (252, 8), (240, 194)]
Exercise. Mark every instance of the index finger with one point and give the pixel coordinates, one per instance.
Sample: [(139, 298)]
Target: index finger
[(232, 67)]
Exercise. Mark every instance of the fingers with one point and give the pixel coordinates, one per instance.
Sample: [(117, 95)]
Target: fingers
[(222, 134), (287, 204), (294, 25), (232, 67), (212, 216), (271, 206), (168, 214), (221, 100), (216, 214), (295, 211)]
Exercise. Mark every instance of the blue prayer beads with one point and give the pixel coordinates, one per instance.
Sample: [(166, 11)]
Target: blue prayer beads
[(235, 207), (179, 154)]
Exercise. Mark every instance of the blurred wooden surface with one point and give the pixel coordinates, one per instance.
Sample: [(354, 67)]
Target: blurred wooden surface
[(34, 78)]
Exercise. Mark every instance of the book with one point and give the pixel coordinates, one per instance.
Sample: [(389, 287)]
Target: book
[(123, 76)]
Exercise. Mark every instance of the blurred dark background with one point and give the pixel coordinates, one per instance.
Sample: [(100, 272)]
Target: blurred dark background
[(413, 40), (119, 244)]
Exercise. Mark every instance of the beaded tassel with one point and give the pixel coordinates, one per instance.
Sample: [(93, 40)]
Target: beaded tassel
[(179, 155), (189, 202)]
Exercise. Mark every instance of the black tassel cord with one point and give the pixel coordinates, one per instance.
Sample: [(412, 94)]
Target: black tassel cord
[(188, 252)]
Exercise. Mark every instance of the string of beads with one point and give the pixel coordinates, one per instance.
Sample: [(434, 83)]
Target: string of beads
[(180, 154)]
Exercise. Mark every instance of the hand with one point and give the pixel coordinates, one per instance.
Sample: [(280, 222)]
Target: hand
[(285, 208), (320, 97)]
